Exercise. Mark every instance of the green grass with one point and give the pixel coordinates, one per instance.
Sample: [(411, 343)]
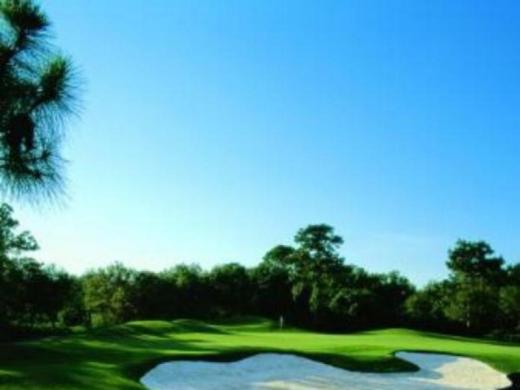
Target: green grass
[(116, 357)]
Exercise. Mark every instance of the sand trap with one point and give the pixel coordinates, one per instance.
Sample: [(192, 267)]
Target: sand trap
[(289, 372)]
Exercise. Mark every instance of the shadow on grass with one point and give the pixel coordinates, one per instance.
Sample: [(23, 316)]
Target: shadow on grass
[(246, 323), (515, 380), (92, 361)]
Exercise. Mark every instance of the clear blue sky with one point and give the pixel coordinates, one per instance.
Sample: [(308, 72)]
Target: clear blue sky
[(213, 130)]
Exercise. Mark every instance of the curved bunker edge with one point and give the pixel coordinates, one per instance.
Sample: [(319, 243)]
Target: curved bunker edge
[(396, 363)]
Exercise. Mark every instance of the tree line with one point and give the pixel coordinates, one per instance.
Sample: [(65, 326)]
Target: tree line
[(308, 283)]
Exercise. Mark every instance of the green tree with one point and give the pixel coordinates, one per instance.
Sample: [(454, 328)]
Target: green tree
[(37, 93), (319, 240), (474, 305), (108, 294), (271, 290), (279, 257), (427, 306), (231, 288), (188, 294), (353, 302), (13, 245), (152, 296), (473, 260), (317, 265), (510, 307), (477, 274), (73, 311), (314, 267), (513, 275), (391, 291), (57, 291)]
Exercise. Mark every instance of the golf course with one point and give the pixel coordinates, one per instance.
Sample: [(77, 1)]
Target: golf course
[(116, 357), (259, 195)]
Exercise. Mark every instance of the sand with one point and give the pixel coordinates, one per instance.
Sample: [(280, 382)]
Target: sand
[(290, 372)]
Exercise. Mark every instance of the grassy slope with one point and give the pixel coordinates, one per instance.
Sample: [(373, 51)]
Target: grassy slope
[(116, 357)]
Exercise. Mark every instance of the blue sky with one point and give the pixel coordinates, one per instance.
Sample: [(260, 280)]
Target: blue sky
[(213, 130)]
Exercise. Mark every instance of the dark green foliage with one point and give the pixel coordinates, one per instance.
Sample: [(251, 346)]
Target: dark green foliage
[(11, 242), (479, 297), (152, 295), (475, 261), (470, 304), (329, 294), (513, 275), (477, 275), (108, 294), (318, 240), (29, 292), (37, 93), (309, 284), (73, 312), (426, 308), (509, 305), (231, 289), (189, 293), (271, 290), (279, 257)]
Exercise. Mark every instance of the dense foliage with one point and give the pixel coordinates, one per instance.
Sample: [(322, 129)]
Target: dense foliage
[(37, 93), (481, 295), (308, 283), (30, 293)]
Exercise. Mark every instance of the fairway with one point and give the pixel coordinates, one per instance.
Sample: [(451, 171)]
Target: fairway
[(117, 357)]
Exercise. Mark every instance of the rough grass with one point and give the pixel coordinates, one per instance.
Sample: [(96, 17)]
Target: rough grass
[(117, 357)]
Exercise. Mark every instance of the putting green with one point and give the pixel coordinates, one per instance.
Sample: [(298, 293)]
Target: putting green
[(116, 357)]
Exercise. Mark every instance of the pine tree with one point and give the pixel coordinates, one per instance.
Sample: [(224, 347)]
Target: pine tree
[(37, 95)]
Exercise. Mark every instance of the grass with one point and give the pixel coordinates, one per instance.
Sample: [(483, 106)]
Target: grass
[(117, 357)]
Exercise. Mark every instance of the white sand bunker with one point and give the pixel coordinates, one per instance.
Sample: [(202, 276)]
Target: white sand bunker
[(289, 372)]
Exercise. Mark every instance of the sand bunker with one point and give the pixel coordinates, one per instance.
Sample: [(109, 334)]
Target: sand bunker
[(289, 372)]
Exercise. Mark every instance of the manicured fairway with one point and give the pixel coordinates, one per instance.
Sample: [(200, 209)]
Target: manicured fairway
[(117, 357)]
